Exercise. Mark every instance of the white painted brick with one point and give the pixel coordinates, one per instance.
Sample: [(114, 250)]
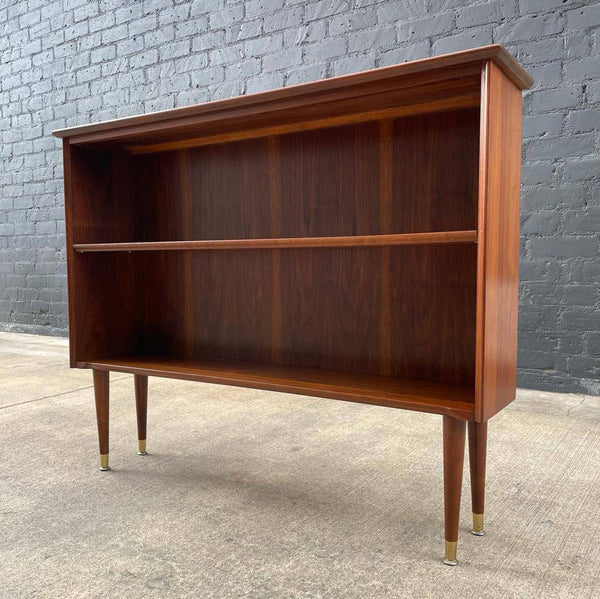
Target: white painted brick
[(65, 62), (332, 48)]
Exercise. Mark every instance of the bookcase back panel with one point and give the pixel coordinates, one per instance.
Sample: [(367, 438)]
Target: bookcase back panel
[(106, 305), (432, 303), (216, 192), (413, 174), (435, 172), (329, 180), (401, 312), (101, 206)]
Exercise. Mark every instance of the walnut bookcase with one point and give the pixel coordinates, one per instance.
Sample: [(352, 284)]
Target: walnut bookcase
[(354, 238)]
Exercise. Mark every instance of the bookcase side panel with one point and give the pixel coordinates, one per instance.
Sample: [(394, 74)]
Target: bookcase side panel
[(498, 259), (71, 272)]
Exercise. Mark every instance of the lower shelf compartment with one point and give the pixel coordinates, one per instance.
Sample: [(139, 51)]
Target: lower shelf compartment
[(411, 394)]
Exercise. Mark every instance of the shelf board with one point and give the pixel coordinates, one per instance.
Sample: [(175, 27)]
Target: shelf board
[(441, 237), (410, 394)]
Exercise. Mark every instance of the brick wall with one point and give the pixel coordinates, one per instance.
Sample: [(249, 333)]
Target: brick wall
[(70, 62)]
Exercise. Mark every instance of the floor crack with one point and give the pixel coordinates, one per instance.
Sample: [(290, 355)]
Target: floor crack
[(583, 397), (21, 403)]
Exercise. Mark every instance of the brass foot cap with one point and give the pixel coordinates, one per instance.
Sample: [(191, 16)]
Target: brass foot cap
[(104, 462), (142, 447), (478, 525), (450, 558)]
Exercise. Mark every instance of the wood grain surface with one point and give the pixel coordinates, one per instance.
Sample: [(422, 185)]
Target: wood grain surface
[(359, 240), (431, 238), (409, 394), (498, 252)]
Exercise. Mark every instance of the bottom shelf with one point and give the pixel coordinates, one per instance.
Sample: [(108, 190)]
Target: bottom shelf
[(411, 394)]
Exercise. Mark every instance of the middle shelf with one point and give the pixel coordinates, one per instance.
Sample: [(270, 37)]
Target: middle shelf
[(429, 238)]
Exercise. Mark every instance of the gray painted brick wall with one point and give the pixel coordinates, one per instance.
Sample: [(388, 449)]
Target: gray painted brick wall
[(69, 62)]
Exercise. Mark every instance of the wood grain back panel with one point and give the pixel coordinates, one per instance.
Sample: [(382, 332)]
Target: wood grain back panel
[(433, 298), (435, 166), (329, 305), (204, 304), (230, 191), (102, 209), (163, 323), (215, 192), (233, 305), (330, 182), (162, 197), (104, 305)]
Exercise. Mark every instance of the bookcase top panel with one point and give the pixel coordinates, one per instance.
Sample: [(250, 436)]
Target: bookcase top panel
[(441, 82)]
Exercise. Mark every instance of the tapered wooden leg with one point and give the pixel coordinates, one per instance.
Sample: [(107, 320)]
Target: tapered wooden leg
[(477, 458), (101, 396), (454, 452), (141, 410)]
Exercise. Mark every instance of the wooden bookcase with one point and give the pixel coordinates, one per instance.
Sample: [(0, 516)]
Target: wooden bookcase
[(355, 238)]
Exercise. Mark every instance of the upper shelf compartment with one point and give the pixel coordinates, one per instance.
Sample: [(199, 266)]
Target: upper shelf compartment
[(347, 185)]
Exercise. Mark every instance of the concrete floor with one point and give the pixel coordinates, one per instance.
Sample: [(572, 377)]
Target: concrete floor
[(254, 494)]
